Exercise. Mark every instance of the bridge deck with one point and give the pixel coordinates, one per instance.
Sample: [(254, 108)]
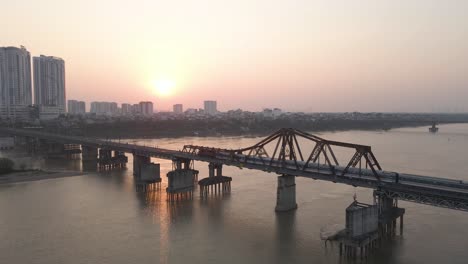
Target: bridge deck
[(434, 191)]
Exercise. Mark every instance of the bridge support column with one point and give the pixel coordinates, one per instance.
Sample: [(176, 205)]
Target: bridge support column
[(216, 183), (119, 159), (389, 213), (89, 153), (147, 174), (138, 162), (180, 181), (361, 233), (72, 151), (286, 193), (150, 177), (108, 161), (104, 159)]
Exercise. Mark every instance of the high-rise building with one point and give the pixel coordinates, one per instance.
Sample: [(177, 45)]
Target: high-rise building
[(76, 107), (210, 107), (146, 108), (136, 109), (104, 108), (126, 109), (178, 108), (15, 83), (49, 83)]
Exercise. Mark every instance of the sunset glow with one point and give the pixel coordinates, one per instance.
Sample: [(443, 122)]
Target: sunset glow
[(328, 55), (164, 87)]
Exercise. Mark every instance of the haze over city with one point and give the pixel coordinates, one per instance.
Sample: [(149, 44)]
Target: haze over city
[(316, 56)]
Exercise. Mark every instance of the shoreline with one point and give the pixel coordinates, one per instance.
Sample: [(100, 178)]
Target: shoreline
[(253, 134), (36, 175)]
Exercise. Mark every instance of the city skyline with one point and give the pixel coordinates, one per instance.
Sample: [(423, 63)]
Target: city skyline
[(320, 56), (48, 73)]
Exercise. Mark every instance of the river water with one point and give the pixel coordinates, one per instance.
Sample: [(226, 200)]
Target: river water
[(99, 218)]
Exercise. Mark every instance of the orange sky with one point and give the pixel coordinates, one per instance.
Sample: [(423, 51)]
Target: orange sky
[(297, 55)]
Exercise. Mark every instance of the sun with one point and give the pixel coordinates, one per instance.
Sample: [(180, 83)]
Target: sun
[(164, 87)]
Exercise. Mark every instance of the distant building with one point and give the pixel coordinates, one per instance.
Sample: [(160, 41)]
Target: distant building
[(178, 108), (104, 108), (49, 83), (136, 109), (146, 108), (76, 107), (126, 109), (210, 107), (15, 83)]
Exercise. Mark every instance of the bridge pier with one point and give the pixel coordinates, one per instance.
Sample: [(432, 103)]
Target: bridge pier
[(104, 158), (89, 158), (89, 153), (72, 151), (149, 175), (367, 225), (185, 164), (361, 234), (107, 161), (286, 193), (119, 159), (216, 183), (181, 180), (138, 162), (389, 212)]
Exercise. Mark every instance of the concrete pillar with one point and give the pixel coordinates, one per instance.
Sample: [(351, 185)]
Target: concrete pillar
[(177, 164), (179, 182), (138, 161), (215, 169), (219, 170), (211, 170), (105, 154), (286, 193), (89, 153), (150, 172), (187, 164)]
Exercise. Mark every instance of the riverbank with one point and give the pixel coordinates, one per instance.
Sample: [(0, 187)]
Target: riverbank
[(135, 130), (35, 175), (232, 123)]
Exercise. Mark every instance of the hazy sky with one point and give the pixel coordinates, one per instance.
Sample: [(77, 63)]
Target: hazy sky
[(363, 55)]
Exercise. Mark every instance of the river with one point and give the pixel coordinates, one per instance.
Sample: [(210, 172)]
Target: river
[(100, 218)]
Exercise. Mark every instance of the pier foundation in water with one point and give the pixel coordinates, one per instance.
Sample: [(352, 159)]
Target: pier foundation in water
[(180, 185), (286, 193), (216, 183)]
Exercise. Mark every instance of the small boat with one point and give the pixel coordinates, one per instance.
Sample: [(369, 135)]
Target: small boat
[(433, 128)]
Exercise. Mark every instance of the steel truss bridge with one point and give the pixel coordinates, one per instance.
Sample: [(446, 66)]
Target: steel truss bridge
[(284, 153)]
